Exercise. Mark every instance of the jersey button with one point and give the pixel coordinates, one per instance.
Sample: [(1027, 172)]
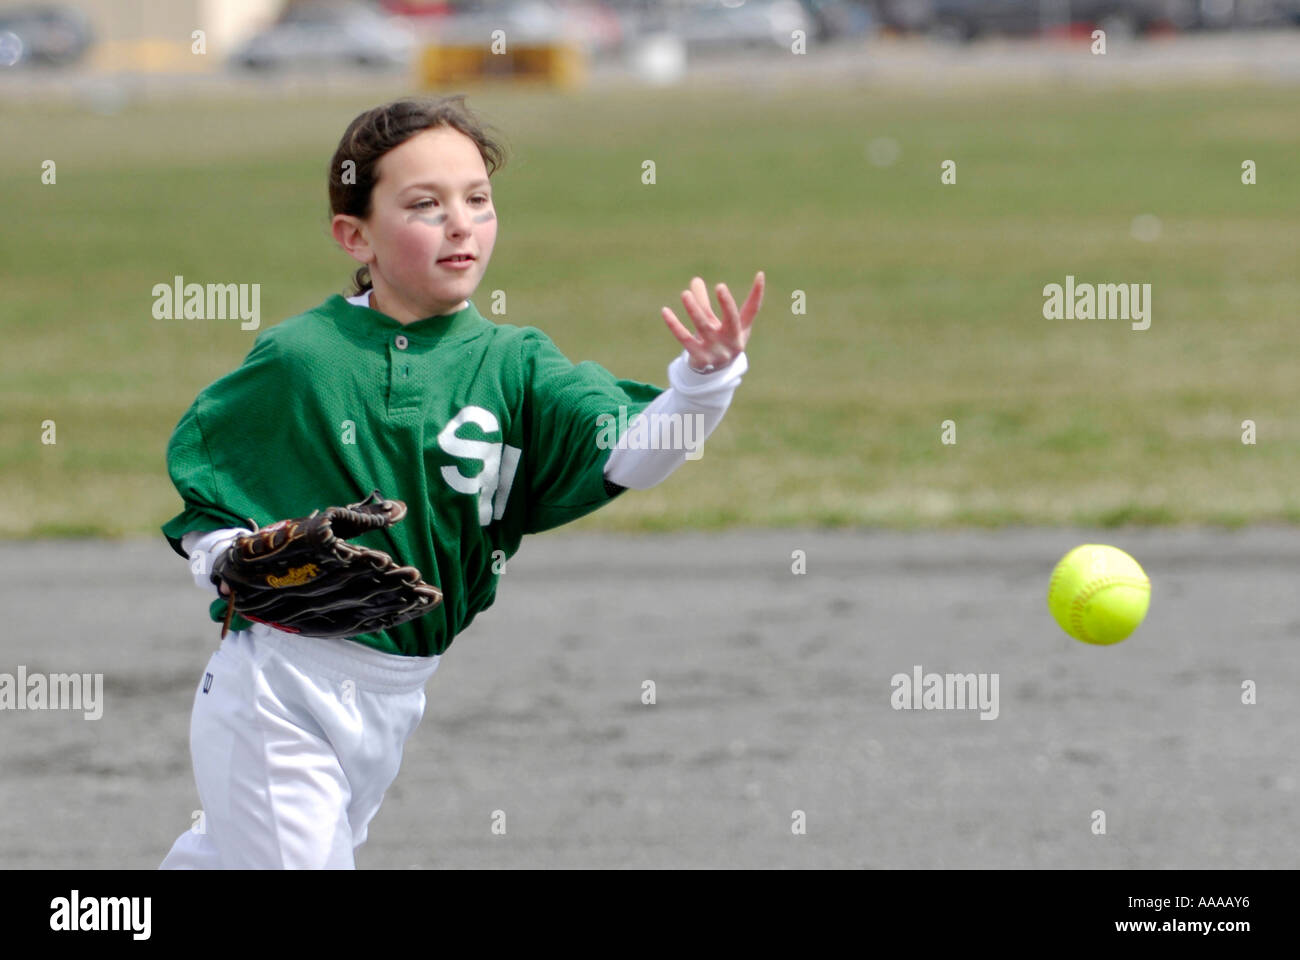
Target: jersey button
[(401, 342)]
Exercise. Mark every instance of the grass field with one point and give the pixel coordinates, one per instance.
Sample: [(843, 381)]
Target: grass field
[(924, 301)]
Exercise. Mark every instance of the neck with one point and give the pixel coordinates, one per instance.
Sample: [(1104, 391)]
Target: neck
[(404, 315)]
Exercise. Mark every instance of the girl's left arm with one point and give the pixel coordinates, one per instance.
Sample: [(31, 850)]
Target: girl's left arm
[(691, 408)]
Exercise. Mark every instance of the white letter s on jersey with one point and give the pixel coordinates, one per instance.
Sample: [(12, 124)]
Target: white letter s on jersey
[(492, 484)]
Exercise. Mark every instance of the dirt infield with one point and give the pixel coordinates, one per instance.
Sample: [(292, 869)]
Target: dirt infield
[(773, 696)]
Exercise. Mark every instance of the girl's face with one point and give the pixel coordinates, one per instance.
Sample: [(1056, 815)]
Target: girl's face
[(432, 200)]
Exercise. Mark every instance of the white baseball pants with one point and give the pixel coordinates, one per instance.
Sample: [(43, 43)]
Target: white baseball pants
[(294, 741)]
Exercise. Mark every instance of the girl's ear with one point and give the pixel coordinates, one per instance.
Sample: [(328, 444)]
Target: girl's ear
[(350, 234)]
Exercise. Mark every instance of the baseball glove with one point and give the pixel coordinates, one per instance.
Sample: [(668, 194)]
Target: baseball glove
[(302, 576)]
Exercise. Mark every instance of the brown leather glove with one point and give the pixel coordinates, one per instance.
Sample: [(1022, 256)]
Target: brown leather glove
[(302, 576)]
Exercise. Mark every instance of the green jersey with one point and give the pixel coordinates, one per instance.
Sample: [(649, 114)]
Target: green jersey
[(485, 430)]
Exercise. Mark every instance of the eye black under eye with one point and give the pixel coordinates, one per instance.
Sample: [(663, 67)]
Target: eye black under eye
[(428, 200)]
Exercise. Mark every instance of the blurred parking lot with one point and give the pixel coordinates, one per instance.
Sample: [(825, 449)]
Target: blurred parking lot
[(310, 48), (280, 42)]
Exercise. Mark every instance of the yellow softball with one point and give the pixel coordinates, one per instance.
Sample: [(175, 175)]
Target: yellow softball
[(1098, 594)]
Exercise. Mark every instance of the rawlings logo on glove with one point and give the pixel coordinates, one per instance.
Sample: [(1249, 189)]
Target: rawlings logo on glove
[(302, 576), (294, 578)]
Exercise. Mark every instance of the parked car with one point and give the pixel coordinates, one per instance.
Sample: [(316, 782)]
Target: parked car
[(54, 36), (840, 19), (324, 35), (1236, 14), (968, 19), (472, 22), (740, 23), (904, 16), (591, 26)]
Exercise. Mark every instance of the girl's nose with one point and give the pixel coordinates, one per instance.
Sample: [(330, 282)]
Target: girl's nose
[(458, 219)]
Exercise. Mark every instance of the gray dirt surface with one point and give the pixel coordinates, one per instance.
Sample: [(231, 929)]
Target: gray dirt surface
[(773, 696)]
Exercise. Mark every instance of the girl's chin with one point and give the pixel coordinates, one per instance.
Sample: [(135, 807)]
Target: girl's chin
[(451, 296), (440, 289), (451, 284)]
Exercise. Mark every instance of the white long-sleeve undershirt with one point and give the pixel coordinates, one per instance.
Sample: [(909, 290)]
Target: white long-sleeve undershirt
[(691, 407)]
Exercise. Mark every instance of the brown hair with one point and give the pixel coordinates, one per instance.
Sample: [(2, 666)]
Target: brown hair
[(377, 131)]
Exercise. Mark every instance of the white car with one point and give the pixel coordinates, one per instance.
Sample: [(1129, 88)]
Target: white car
[(592, 27), (329, 35), (741, 23)]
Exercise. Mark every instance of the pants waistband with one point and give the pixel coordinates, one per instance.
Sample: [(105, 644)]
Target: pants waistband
[(340, 660)]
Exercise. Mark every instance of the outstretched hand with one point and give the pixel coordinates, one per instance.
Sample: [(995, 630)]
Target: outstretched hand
[(716, 342)]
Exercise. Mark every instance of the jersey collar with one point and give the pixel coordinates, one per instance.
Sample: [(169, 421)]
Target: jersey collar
[(461, 325)]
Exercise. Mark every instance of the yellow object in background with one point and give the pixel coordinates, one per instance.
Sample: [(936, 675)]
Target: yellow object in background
[(562, 65)]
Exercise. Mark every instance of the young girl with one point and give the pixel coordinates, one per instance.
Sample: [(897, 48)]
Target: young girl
[(485, 430)]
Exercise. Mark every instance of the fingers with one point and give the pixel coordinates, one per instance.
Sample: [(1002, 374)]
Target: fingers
[(696, 301), (731, 316), (684, 336), (713, 336), (702, 295), (754, 301), (701, 312), (697, 350)]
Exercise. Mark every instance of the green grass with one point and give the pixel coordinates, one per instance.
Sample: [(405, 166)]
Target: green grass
[(924, 301)]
